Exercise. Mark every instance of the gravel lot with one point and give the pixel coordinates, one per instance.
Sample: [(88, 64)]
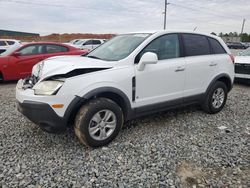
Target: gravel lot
[(179, 148)]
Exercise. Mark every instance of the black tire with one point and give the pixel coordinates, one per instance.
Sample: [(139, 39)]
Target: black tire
[(85, 118), (1, 78), (208, 105)]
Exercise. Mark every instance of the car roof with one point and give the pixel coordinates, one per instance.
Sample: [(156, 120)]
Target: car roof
[(172, 31), (45, 43), (10, 40)]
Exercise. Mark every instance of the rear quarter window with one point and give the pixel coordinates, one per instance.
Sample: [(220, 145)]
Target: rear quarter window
[(195, 45), (216, 46)]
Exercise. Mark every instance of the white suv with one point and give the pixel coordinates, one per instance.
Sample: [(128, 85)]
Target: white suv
[(5, 44), (88, 44), (129, 76)]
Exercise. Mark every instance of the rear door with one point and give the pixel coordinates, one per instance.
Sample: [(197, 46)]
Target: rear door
[(55, 50), (96, 43), (88, 45), (200, 64)]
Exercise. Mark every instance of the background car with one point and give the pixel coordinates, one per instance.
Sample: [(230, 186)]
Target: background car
[(242, 65), (7, 43), (72, 42), (88, 44), (236, 45), (17, 62)]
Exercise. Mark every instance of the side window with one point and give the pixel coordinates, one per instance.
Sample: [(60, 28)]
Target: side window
[(55, 49), (32, 50), (195, 45), (166, 47), (216, 46), (96, 42), (89, 42), (10, 42), (2, 43)]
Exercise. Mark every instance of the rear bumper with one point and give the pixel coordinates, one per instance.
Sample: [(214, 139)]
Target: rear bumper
[(242, 76), (43, 115)]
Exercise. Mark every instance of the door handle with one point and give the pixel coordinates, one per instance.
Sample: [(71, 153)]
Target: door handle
[(179, 69), (212, 64)]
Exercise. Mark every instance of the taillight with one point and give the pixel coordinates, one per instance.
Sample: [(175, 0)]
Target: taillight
[(232, 57)]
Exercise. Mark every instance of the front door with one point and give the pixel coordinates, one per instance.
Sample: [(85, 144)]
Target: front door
[(163, 81), (28, 57)]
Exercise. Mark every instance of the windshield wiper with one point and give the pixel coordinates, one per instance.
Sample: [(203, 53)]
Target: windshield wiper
[(94, 57)]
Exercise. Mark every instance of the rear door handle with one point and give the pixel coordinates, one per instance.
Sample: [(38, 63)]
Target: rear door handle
[(212, 64), (179, 69)]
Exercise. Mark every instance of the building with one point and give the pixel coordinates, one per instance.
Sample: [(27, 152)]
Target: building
[(17, 34)]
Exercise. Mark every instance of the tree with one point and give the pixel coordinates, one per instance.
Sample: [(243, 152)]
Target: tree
[(244, 37)]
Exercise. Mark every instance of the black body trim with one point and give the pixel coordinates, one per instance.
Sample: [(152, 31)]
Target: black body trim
[(133, 88), (218, 77), (124, 97), (43, 115), (163, 106)]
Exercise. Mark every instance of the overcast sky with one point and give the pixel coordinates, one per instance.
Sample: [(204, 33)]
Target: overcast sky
[(120, 16)]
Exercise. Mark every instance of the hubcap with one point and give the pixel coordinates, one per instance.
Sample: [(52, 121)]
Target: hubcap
[(102, 125), (218, 98)]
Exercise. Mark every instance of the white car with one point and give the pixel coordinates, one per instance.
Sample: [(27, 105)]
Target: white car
[(242, 65), (129, 76), (72, 42), (5, 44), (88, 44)]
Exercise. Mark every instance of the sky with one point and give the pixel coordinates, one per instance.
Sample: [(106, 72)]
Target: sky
[(121, 16)]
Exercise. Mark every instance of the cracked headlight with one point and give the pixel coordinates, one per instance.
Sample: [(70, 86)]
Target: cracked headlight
[(37, 69), (49, 87)]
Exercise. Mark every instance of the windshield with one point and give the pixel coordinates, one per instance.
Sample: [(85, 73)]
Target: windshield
[(245, 52), (10, 50), (79, 42), (119, 47)]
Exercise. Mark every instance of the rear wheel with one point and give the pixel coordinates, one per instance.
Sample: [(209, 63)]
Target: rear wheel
[(216, 98), (98, 122)]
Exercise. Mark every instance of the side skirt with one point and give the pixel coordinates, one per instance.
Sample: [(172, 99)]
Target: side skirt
[(164, 106)]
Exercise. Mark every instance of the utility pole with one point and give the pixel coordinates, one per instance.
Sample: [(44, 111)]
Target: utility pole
[(165, 13), (243, 24)]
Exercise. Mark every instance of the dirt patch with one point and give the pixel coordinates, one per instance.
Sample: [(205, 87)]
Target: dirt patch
[(190, 175)]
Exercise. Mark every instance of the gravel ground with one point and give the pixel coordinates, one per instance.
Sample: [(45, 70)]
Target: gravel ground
[(182, 148)]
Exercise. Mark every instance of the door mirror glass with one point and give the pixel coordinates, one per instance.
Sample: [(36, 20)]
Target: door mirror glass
[(147, 58)]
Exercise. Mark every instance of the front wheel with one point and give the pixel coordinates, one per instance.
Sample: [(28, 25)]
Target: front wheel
[(216, 98), (98, 122)]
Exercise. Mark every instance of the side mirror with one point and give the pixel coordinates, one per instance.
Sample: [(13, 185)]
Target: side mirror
[(147, 58), (16, 54)]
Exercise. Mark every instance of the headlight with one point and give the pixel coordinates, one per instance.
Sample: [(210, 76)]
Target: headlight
[(47, 87), (37, 69)]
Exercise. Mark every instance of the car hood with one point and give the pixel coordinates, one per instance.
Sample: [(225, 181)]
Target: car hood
[(242, 59), (65, 64)]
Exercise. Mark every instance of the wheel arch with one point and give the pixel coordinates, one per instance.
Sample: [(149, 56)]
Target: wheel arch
[(111, 93), (1, 76), (225, 78)]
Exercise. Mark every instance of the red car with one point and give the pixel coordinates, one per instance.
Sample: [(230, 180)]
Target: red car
[(17, 62)]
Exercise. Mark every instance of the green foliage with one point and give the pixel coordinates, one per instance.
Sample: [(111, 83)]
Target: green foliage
[(245, 37)]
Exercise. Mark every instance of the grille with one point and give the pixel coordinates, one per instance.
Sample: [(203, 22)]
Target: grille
[(242, 68)]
